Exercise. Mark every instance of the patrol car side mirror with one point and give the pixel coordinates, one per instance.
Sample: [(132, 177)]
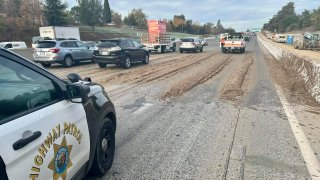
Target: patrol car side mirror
[(78, 93), (73, 77)]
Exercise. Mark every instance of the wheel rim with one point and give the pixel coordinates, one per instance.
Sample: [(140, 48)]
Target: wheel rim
[(106, 146), (128, 63), (147, 59), (68, 61)]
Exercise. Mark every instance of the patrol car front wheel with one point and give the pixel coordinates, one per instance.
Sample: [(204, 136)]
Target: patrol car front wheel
[(105, 149)]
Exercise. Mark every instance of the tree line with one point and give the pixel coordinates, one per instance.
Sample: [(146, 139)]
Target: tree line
[(179, 23), (287, 20), (19, 17)]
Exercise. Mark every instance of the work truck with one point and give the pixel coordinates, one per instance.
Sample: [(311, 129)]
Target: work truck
[(157, 39), (233, 42), (56, 32)]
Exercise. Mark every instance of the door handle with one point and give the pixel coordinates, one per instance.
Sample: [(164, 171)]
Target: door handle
[(23, 142)]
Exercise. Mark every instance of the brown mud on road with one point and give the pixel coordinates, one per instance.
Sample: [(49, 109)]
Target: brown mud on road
[(233, 89), (200, 74)]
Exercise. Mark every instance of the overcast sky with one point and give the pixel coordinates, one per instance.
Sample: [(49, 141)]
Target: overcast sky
[(239, 14)]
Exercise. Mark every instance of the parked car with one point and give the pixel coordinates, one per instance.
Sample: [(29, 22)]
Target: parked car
[(176, 40), (120, 51), (52, 128), (247, 38), (191, 44), (205, 42), (13, 45), (66, 52), (280, 38), (90, 44)]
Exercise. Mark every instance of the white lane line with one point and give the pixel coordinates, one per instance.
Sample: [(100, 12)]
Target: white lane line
[(309, 157), (143, 108)]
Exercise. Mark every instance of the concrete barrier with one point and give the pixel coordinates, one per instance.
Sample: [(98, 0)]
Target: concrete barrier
[(27, 53), (308, 69)]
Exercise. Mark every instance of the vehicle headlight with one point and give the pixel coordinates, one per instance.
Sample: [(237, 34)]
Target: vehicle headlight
[(96, 48)]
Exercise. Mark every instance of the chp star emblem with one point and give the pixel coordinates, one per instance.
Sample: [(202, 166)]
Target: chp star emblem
[(61, 160)]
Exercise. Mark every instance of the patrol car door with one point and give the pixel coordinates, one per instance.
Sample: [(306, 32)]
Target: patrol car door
[(42, 135)]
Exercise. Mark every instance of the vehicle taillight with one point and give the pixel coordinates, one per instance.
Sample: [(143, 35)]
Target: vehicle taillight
[(194, 44), (241, 43), (54, 50)]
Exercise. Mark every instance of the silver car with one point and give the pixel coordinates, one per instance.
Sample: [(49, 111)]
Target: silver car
[(191, 44), (66, 52)]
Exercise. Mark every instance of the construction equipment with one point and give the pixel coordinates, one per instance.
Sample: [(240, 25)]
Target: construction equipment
[(308, 41), (157, 39)]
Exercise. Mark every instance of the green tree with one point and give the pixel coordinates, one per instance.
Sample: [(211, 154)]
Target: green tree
[(107, 16), (169, 26), (126, 21), (189, 28), (90, 12), (285, 20), (315, 18), (219, 28), (230, 30), (179, 22), (2, 6), (75, 13), (208, 28), (55, 12), (12, 7), (116, 19), (305, 19), (136, 18)]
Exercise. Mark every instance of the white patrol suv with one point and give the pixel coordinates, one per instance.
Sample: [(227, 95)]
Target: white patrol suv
[(52, 128)]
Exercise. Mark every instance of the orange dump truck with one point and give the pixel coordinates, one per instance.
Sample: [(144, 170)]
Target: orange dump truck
[(157, 39)]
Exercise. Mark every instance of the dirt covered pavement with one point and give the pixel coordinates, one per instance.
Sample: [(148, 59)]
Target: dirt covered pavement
[(206, 116)]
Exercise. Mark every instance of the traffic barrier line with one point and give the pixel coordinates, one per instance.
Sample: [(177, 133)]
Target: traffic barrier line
[(308, 154)]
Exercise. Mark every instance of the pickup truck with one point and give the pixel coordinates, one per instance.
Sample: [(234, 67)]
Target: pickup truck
[(233, 42)]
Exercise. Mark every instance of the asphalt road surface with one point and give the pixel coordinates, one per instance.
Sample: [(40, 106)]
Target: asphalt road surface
[(209, 116)]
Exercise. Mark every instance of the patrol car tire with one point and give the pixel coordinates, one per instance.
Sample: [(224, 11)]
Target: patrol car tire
[(101, 164)]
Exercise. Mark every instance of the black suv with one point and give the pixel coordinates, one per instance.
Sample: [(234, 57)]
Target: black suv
[(120, 52)]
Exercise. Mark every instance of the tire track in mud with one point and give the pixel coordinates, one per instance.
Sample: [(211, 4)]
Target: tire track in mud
[(235, 87), (198, 77), (151, 73), (167, 72), (93, 71)]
